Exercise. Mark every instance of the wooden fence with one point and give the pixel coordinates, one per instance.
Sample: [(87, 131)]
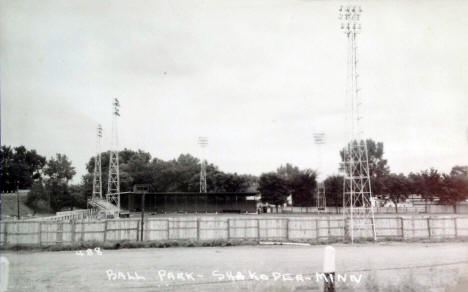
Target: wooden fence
[(204, 228), (69, 215), (419, 209)]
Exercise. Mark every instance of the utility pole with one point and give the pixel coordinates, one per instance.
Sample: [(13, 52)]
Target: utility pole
[(142, 189), (17, 200), (142, 213), (357, 194)]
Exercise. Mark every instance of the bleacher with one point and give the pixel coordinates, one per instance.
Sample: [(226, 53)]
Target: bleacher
[(103, 205)]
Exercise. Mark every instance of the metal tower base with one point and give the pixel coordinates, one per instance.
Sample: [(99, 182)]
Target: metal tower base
[(359, 223), (357, 197), (321, 199)]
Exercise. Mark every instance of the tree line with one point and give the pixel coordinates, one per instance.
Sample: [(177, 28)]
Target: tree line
[(430, 184), (51, 191), (49, 179), (177, 175)]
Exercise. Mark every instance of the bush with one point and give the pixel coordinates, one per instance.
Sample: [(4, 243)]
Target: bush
[(37, 198)]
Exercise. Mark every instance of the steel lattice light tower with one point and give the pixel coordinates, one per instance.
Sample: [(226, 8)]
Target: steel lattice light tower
[(357, 194), (319, 139), (203, 142), (97, 179), (113, 184)]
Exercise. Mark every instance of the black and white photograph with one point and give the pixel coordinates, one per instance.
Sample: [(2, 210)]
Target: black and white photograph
[(219, 145)]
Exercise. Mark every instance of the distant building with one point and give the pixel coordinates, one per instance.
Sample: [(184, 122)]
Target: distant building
[(413, 200)]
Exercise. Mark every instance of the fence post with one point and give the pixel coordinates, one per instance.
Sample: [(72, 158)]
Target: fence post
[(287, 228), (72, 231), (198, 229), (5, 233), (168, 229), (374, 229), (82, 232), (105, 231), (145, 230), (59, 236), (402, 228), (329, 269), (258, 229), (429, 227), (317, 230), (455, 226), (40, 233), (228, 228), (345, 228), (329, 230), (137, 229)]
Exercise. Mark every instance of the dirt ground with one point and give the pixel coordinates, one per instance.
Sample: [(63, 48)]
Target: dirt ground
[(368, 267)]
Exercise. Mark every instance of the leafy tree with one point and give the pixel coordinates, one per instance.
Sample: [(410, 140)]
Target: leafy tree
[(37, 198), (87, 186), (297, 180), (230, 182), (59, 195), (59, 168), (396, 188), (417, 183), (288, 172), (59, 171), (177, 175), (334, 190), (20, 167), (187, 169), (78, 196), (427, 183), (133, 166), (453, 190), (460, 171), (273, 189), (303, 186)]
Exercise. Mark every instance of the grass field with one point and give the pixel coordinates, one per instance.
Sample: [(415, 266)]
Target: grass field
[(10, 205), (380, 267)]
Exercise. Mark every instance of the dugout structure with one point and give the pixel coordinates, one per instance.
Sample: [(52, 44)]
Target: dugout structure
[(191, 202)]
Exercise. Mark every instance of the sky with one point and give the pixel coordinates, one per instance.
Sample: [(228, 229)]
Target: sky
[(257, 77)]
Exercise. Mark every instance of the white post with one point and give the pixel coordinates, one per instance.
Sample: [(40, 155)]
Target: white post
[(5, 266), (329, 269)]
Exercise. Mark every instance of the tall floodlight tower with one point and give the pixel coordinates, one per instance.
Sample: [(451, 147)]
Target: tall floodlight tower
[(319, 139), (357, 194), (113, 184), (97, 179), (203, 142)]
